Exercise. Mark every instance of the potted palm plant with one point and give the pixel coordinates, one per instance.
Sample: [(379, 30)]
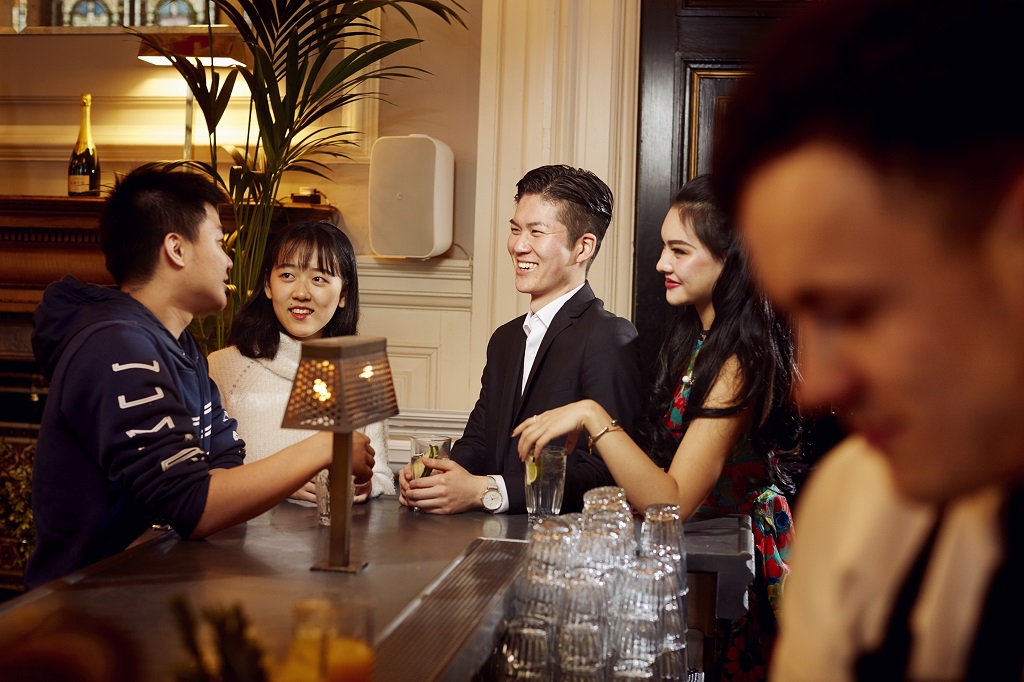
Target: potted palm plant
[(310, 58)]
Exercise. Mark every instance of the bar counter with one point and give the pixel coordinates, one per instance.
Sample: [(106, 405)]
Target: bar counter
[(439, 584)]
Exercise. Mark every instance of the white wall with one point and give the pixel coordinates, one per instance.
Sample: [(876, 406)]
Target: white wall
[(558, 84)]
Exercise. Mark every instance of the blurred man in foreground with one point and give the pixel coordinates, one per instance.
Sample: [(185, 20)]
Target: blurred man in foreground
[(875, 163)]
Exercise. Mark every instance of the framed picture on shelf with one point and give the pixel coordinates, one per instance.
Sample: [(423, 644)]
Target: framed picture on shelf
[(174, 12), (90, 13)]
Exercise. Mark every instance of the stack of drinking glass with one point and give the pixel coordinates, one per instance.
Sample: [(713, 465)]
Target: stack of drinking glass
[(593, 604)]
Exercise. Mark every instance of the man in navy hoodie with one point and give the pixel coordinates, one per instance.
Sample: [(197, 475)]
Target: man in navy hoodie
[(134, 432)]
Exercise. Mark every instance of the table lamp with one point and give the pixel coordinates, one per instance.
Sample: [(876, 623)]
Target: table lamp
[(342, 383), (226, 51)]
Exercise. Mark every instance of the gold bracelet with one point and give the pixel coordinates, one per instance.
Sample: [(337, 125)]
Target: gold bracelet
[(614, 426)]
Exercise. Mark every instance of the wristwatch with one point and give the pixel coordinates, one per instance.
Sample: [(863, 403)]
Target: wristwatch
[(491, 498)]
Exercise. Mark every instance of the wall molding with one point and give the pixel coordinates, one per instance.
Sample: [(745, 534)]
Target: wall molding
[(423, 309), (435, 284), (411, 423)]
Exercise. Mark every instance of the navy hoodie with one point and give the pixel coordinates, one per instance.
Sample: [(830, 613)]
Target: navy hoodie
[(131, 428)]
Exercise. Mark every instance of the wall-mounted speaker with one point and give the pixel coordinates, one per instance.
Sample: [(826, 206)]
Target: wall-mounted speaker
[(412, 196)]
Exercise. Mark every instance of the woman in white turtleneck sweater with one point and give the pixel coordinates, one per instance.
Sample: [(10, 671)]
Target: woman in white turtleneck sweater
[(311, 291)]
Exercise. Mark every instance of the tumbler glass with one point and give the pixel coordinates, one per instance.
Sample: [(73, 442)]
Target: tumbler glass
[(583, 631), (550, 548), (581, 652), (639, 636), (525, 650), (435, 447), (539, 590), (603, 495), (661, 536), (586, 596), (545, 482), (609, 502), (323, 497)]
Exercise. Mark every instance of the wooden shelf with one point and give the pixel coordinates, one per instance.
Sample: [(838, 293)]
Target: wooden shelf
[(43, 238)]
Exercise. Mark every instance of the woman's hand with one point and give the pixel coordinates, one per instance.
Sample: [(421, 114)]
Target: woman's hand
[(307, 492), (568, 420), (362, 457), (362, 492)]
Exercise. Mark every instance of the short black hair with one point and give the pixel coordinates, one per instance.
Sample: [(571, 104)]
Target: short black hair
[(256, 330), (146, 205), (926, 89), (584, 201)]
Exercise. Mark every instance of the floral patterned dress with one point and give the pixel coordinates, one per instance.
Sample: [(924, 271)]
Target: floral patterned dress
[(744, 645)]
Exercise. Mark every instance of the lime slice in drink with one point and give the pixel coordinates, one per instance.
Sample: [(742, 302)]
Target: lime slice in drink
[(418, 467), (532, 471)]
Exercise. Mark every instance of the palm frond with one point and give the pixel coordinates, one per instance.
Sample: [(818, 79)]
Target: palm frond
[(309, 59)]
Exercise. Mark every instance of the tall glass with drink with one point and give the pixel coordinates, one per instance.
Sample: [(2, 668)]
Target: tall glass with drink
[(545, 482)]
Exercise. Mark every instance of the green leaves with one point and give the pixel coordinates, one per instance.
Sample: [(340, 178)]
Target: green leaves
[(18, 529), (239, 658)]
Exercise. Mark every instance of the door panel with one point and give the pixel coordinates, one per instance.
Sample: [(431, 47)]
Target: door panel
[(692, 55)]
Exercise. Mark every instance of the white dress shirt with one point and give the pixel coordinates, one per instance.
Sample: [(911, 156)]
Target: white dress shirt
[(535, 326), (858, 536)]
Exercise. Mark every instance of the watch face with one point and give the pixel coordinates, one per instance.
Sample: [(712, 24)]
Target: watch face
[(492, 500), (494, 526)]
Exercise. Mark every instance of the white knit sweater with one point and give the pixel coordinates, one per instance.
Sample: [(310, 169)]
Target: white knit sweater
[(255, 392)]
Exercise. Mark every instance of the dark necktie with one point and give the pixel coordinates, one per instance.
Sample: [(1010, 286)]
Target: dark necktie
[(891, 659), (998, 652)]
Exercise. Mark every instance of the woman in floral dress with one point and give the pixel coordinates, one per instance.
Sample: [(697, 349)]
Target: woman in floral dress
[(720, 422)]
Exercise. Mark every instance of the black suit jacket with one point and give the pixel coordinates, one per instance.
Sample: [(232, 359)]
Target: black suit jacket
[(587, 352)]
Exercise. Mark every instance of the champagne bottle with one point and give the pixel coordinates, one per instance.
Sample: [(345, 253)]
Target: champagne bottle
[(84, 167)]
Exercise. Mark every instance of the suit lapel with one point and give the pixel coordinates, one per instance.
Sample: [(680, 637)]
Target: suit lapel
[(563, 319), (511, 397)]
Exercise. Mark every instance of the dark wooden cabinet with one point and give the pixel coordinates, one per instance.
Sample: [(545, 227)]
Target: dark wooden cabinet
[(41, 240)]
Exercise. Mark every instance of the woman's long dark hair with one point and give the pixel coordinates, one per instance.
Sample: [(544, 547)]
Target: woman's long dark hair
[(745, 326), (256, 330)]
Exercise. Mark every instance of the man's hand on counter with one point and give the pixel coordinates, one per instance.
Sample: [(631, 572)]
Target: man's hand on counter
[(449, 490)]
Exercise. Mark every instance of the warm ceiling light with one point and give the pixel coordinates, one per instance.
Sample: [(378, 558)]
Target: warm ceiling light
[(228, 50)]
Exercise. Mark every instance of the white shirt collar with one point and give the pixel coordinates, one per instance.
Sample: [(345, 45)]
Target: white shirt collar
[(548, 312)]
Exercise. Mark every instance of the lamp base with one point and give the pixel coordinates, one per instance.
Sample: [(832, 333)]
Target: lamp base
[(326, 565)]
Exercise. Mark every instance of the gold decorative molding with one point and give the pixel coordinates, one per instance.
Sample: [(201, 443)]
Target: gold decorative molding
[(710, 92)]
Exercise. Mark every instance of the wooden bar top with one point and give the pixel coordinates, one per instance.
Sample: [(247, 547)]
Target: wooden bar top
[(420, 569)]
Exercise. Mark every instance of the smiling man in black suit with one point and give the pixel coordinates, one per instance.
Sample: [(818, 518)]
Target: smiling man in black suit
[(567, 348)]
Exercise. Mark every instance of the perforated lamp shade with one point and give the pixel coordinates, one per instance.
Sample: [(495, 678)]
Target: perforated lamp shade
[(342, 383)]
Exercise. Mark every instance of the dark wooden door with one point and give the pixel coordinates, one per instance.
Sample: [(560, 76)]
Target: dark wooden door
[(693, 52)]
